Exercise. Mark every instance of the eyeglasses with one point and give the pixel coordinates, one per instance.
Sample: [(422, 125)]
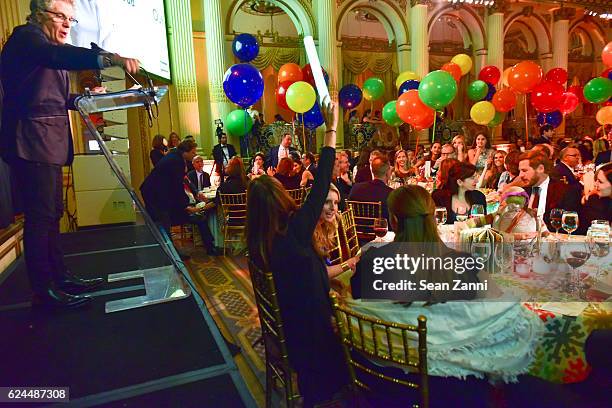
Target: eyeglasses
[(61, 17)]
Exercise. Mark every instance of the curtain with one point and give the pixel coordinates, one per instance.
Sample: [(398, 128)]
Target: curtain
[(277, 57)]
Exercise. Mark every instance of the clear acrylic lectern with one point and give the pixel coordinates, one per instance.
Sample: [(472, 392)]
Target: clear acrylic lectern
[(162, 284)]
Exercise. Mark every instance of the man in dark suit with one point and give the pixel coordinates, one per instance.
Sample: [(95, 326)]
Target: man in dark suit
[(547, 133), (544, 193), (569, 158), (366, 173), (36, 142), (278, 152), (222, 153), (603, 157), (376, 189), (198, 178), (164, 194), (308, 161)]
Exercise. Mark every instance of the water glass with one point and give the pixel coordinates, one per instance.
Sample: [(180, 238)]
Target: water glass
[(441, 215), (477, 211), (602, 226)]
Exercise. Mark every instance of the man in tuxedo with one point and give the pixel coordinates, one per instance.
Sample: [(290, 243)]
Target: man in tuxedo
[(546, 135), (375, 189), (164, 194), (308, 161), (278, 152), (222, 153), (569, 158), (366, 173), (544, 193), (198, 178), (36, 142)]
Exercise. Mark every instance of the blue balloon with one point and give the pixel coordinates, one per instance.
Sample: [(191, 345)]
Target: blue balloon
[(407, 86), (553, 118), (245, 47), (491, 92), (313, 118), (350, 96), (243, 84), (610, 75)]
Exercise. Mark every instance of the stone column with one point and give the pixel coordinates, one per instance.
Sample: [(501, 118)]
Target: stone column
[(495, 35), (329, 52), (220, 106), (182, 64), (403, 57), (419, 50), (560, 39), (480, 60)]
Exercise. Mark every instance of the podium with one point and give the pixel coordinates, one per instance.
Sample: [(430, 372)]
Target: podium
[(162, 284)]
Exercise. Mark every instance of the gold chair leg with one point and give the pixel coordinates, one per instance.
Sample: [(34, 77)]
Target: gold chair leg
[(224, 241), (269, 387)]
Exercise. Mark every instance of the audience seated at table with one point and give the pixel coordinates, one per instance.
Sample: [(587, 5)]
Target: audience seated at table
[(495, 168), (236, 181), (257, 166), (459, 146), (341, 178), (480, 151), (442, 174), (306, 177), (284, 173), (459, 192), (432, 156), (599, 205), (401, 168), (198, 178), (569, 158), (364, 169), (511, 172), (377, 189)]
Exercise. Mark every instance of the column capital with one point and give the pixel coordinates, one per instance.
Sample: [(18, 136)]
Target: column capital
[(564, 13), (500, 6), (481, 51), (419, 2), (217, 94)]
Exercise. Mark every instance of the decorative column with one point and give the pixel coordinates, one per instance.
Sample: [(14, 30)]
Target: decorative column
[(182, 64), (419, 52), (495, 35), (560, 38), (480, 59), (403, 57), (220, 106), (328, 52)]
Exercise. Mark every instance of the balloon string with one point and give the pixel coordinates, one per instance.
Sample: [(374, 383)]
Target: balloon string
[(526, 121), (433, 132), (246, 142), (303, 133), (399, 138)]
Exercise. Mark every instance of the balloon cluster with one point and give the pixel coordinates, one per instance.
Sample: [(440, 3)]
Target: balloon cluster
[(295, 91), (243, 84), (601, 90)]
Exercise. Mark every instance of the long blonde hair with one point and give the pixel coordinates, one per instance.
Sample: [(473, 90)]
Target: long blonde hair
[(324, 235)]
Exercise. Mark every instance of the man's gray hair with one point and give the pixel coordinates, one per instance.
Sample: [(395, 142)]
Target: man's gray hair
[(38, 6), (197, 157)]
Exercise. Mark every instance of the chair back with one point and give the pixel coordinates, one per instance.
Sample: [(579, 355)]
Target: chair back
[(348, 235), (400, 345), (234, 209), (297, 195), (336, 254), (364, 214)]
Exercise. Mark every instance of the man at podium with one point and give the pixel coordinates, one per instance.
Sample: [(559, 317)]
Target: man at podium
[(35, 138)]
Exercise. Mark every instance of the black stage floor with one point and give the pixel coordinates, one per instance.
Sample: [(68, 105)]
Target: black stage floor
[(169, 354)]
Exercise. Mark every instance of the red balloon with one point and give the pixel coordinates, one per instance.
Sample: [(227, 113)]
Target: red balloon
[(524, 76), (490, 74), (308, 76), (569, 103), (546, 96), (578, 91), (426, 123), (606, 73), (558, 75), (281, 94), (453, 69), (412, 110), (504, 100), (606, 55), (290, 72)]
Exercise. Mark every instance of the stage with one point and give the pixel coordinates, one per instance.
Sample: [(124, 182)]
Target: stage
[(169, 354)]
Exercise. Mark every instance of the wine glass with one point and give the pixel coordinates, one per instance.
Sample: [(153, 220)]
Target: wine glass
[(569, 221), (477, 210), (441, 215), (556, 214), (503, 256), (380, 228), (481, 250), (461, 214), (575, 255)]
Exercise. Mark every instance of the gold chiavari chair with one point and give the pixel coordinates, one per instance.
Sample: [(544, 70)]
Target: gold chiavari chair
[(383, 342), (364, 214), (278, 367), (233, 207), (348, 235), (297, 195)]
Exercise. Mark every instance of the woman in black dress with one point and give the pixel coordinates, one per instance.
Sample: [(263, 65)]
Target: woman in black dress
[(459, 192), (599, 205), (279, 239)]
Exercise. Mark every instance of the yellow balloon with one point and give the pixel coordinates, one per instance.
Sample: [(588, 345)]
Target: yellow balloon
[(405, 76), (464, 61), (482, 112), (300, 96), (604, 115)]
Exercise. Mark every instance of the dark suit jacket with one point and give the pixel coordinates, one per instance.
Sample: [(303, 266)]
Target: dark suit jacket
[(272, 158), (163, 190), (35, 124), (218, 155), (560, 195), (312, 169), (565, 175), (374, 190), (193, 181), (603, 157), (363, 174)]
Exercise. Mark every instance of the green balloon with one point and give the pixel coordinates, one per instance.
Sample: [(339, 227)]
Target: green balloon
[(373, 89), (497, 120), (598, 90), (438, 89), (477, 90), (238, 122), (389, 114)]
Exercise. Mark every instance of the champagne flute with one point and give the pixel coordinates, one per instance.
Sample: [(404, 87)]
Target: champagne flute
[(503, 256), (461, 214), (569, 221), (556, 214), (477, 210), (380, 228), (441, 215)]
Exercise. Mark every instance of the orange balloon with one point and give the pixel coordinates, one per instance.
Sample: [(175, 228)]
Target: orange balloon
[(505, 76), (290, 72), (504, 100), (453, 69), (606, 55), (426, 122), (524, 76), (411, 109), (604, 115)]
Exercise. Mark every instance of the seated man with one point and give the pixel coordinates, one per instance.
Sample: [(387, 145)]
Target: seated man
[(376, 189), (165, 197), (198, 178)]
